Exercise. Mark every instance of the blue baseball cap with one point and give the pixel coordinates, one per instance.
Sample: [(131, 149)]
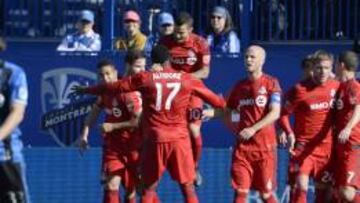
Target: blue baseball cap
[(87, 15), (165, 18)]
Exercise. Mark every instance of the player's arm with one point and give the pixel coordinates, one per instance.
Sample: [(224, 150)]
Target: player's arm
[(88, 123), (204, 56), (134, 106), (206, 94), (354, 120), (203, 73), (16, 115), (269, 118), (132, 123), (272, 115), (18, 102), (127, 84)]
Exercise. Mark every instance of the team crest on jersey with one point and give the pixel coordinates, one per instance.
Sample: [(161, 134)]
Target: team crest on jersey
[(115, 110), (191, 60), (261, 100), (262, 90), (63, 111)]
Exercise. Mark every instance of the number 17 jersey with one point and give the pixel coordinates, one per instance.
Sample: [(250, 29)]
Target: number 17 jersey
[(166, 97)]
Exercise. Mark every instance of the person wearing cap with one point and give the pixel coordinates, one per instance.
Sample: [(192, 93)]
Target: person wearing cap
[(134, 39), (165, 23), (222, 38), (85, 39)]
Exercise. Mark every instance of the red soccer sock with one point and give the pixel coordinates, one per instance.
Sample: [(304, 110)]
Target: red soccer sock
[(240, 197), (111, 196), (271, 199), (189, 194), (300, 196), (149, 196), (196, 144)]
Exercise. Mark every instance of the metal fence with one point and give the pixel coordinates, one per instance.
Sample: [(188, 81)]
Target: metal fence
[(305, 19), (265, 20)]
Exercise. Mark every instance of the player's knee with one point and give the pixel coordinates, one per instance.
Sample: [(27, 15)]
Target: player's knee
[(240, 191), (348, 193), (266, 195), (195, 129), (113, 183), (303, 182)]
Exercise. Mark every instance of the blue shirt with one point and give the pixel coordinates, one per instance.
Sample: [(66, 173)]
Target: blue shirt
[(17, 92), (227, 43), (81, 42), (151, 41)]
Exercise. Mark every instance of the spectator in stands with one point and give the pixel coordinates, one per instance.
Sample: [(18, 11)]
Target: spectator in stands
[(165, 23), (222, 38), (85, 39), (356, 44), (134, 38), (13, 102)]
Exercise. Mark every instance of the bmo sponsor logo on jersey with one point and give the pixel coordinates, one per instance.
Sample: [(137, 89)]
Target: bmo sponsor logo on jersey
[(260, 100), (115, 110), (191, 59), (63, 112), (325, 105)]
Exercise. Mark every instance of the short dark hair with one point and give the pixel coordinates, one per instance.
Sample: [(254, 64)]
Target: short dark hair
[(132, 55), (184, 18), (160, 54), (350, 59), (307, 62), (105, 62)]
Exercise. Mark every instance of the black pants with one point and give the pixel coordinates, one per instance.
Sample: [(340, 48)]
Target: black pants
[(11, 184)]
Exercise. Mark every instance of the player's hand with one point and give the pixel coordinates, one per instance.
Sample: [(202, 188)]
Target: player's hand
[(344, 135), (282, 138), (107, 127), (247, 133), (83, 144), (156, 67), (78, 89), (207, 114), (291, 141)]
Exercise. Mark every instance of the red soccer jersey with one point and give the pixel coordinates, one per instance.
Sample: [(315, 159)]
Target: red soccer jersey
[(119, 108), (252, 99), (348, 97), (190, 56), (312, 106), (166, 96)]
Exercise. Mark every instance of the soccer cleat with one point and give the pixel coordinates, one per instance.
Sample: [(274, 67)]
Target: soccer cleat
[(198, 179)]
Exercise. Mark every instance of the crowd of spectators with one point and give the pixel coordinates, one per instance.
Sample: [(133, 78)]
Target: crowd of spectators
[(221, 36)]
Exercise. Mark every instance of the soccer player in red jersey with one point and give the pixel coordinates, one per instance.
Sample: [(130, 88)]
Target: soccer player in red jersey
[(257, 98), (190, 53), (307, 67), (122, 140), (166, 96), (310, 143), (348, 128)]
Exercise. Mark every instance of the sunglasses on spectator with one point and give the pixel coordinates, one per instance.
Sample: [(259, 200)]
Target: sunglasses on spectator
[(130, 21), (217, 17), (166, 25)]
